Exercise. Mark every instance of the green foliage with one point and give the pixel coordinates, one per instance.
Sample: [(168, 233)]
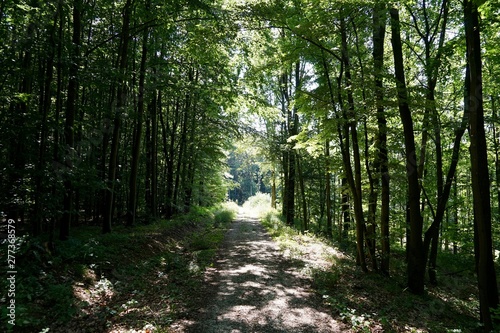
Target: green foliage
[(118, 269), (60, 299), (368, 302), (326, 279), (258, 205), (225, 214), (197, 103)]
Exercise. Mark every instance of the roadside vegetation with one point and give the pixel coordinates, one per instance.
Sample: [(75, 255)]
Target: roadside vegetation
[(135, 279), (372, 302)]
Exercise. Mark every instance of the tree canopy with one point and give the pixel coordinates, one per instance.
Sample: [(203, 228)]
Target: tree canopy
[(370, 123)]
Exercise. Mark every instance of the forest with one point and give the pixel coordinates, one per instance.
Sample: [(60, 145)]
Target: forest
[(134, 124)]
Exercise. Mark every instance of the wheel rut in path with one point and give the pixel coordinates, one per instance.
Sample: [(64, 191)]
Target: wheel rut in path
[(253, 288)]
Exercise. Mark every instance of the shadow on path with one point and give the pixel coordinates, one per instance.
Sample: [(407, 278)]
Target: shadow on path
[(252, 288)]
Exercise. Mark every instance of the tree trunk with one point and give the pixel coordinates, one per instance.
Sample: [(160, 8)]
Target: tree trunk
[(170, 158), (289, 158), (354, 180), (305, 218), (416, 260), (432, 66), (58, 111), (346, 211), (149, 153), (189, 108), (379, 19), (190, 159), (70, 120), (370, 229), (291, 130), (328, 194), (120, 105), (432, 234), (496, 146), (154, 154), (137, 143), (486, 275), (45, 104), (273, 189)]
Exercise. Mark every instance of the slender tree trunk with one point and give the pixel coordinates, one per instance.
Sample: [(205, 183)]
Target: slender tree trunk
[(416, 260), (370, 229), (328, 194), (432, 66), (190, 160), (45, 104), (170, 159), (305, 218), (486, 275), (455, 216), (70, 120), (149, 153), (496, 147), (432, 234), (273, 189), (354, 180), (283, 81), (137, 143), (58, 110), (291, 129), (189, 108), (379, 19), (120, 105), (154, 154), (290, 192), (289, 158), (372, 169), (346, 213)]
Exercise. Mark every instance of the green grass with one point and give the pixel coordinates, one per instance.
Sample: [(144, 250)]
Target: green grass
[(132, 276)]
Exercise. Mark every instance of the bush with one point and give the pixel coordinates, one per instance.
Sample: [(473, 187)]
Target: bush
[(258, 205), (258, 200), (225, 213)]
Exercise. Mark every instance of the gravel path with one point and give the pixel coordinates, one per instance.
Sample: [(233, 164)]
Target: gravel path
[(253, 288)]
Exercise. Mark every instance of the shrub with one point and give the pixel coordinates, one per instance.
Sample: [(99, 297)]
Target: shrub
[(258, 205)]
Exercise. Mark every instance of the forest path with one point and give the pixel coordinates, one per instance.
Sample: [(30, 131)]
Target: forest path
[(253, 288)]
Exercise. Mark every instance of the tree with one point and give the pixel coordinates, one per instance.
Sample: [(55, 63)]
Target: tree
[(379, 23), (416, 260), (486, 275), (70, 120), (117, 122), (136, 145)]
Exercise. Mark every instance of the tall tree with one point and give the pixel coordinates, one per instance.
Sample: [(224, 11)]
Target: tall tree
[(353, 178), (118, 114), (70, 114), (136, 145), (379, 27), (486, 275), (416, 260)]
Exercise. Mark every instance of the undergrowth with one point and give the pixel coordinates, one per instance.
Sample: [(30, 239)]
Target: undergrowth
[(133, 277), (370, 302)]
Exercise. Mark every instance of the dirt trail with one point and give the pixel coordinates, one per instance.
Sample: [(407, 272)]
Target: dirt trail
[(253, 288)]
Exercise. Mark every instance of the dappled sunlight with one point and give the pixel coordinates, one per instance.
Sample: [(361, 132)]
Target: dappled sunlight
[(97, 292), (256, 289)]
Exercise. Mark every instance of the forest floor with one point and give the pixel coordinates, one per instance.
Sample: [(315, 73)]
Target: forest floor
[(268, 277), (254, 288), (207, 272)]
